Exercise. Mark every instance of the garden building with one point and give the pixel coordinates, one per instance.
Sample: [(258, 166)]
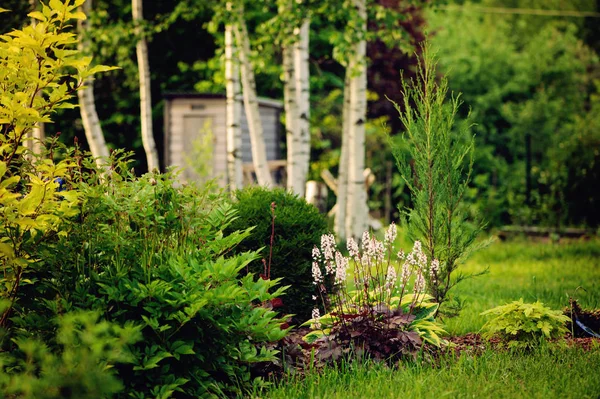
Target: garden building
[(196, 140)]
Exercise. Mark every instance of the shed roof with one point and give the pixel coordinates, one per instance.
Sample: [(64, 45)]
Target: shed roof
[(265, 102)]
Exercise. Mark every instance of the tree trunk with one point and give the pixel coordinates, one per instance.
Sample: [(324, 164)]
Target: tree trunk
[(259, 153), (87, 105), (141, 50), (342, 181), (356, 208), (35, 138), (294, 180), (234, 112), (301, 67)]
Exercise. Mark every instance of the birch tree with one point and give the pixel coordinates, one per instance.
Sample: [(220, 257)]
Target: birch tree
[(234, 111), (290, 102), (87, 104), (35, 138), (302, 89), (356, 206), (342, 181), (259, 153), (141, 50)]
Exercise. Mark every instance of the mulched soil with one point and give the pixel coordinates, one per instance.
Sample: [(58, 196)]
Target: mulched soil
[(474, 344)]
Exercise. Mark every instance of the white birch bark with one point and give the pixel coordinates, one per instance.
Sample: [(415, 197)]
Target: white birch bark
[(301, 68), (141, 50), (87, 104), (356, 208), (259, 153), (342, 180), (233, 113), (35, 138), (294, 181)]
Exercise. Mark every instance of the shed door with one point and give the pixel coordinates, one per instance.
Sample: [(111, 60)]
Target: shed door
[(198, 147)]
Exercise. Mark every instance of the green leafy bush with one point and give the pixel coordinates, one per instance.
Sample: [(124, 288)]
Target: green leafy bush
[(35, 81), (77, 363), (298, 227), (523, 325), (149, 251), (386, 315)]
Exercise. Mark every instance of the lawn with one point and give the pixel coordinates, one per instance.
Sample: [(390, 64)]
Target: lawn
[(518, 269)]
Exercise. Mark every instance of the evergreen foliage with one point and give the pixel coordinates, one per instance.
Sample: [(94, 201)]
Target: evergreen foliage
[(298, 228), (436, 167)]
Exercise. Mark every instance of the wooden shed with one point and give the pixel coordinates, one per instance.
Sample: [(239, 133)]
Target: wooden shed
[(196, 140)]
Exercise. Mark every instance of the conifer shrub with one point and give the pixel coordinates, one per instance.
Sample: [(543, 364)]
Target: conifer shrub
[(436, 163), (297, 227)]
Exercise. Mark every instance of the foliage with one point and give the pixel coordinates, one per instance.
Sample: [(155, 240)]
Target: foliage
[(153, 253), (437, 172), (381, 317), (77, 363), (535, 160), (296, 228), (523, 325), (39, 73)]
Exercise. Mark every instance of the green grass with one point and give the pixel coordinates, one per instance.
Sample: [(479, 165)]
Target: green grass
[(519, 269), (564, 373), (546, 272)]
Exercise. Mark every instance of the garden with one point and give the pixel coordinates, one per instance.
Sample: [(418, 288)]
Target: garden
[(121, 284)]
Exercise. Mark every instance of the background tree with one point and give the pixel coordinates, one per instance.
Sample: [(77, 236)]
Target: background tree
[(87, 103), (141, 50), (234, 110)]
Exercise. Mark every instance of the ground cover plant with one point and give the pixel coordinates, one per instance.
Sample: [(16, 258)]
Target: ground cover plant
[(546, 272), (524, 325)]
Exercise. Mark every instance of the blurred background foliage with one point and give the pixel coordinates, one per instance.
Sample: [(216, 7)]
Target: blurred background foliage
[(531, 84)]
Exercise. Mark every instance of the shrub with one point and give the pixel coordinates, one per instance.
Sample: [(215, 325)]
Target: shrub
[(524, 325), (148, 252), (35, 81), (298, 227), (77, 363), (382, 316), (437, 170)]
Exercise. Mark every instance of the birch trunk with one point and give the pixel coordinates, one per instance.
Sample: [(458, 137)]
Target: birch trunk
[(87, 104), (141, 50), (35, 138), (356, 208), (234, 113), (301, 68), (342, 181), (294, 181), (259, 153)]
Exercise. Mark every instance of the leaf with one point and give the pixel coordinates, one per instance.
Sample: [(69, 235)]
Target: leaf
[(37, 15), (76, 15), (101, 68)]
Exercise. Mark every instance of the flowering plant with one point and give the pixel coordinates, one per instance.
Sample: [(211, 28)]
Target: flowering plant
[(383, 309)]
